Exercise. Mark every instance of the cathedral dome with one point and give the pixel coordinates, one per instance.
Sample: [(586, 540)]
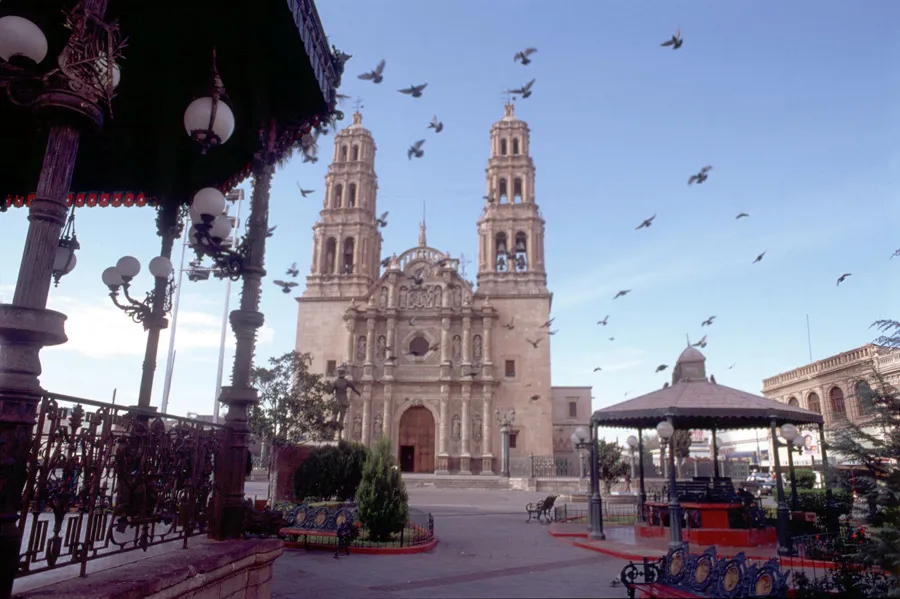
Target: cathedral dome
[(354, 128)]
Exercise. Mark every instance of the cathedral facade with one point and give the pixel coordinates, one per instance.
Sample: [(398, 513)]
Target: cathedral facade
[(435, 358)]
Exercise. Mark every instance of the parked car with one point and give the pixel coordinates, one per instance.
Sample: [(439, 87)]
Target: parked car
[(761, 483)]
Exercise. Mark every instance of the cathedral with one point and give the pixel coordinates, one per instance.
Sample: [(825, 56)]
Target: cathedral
[(435, 359)]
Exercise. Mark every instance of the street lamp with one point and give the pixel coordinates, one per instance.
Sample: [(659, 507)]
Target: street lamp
[(579, 440), (211, 230), (64, 259), (595, 511), (790, 433), (209, 120), (785, 542), (666, 433), (505, 421), (632, 442)]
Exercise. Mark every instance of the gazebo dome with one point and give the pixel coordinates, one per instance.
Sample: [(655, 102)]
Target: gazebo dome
[(690, 366), (691, 354)]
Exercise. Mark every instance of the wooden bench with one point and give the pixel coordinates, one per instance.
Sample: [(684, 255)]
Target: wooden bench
[(306, 522), (541, 510), (681, 574)]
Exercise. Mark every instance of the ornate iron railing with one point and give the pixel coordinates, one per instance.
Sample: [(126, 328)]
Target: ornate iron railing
[(104, 479)]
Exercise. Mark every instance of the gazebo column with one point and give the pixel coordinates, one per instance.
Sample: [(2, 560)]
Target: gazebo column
[(642, 497), (831, 513), (595, 513), (715, 453), (785, 545), (674, 503)]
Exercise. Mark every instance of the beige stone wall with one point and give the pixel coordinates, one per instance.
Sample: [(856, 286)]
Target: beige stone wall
[(563, 423), (321, 331)]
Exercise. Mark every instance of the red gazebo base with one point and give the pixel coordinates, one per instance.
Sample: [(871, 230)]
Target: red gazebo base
[(731, 537)]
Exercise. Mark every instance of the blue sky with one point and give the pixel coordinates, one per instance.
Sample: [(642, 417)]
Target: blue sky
[(794, 104)]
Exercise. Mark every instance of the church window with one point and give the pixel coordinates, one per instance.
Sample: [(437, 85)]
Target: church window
[(349, 246), (793, 401), (510, 369), (836, 396), (343, 153), (330, 255), (351, 196), (355, 152), (513, 437), (503, 191), (573, 409), (503, 147), (338, 195), (515, 146), (517, 191), (419, 346), (330, 367), (521, 264), (501, 252)]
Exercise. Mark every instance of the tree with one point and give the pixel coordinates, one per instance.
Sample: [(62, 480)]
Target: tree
[(682, 440), (875, 447), (612, 463), (383, 505), (293, 403)]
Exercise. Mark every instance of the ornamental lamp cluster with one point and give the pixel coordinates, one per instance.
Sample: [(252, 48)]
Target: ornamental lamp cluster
[(210, 232), (118, 278)]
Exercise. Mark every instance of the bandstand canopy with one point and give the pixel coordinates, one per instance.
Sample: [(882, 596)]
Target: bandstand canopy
[(695, 402)]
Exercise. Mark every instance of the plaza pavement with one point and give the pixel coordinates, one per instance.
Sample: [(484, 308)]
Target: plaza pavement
[(485, 549)]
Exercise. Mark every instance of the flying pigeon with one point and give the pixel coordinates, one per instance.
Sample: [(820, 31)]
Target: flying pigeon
[(523, 91), (759, 258), (271, 231), (553, 332), (675, 41), (417, 278), (700, 177), (708, 321), (304, 192), (376, 75), (490, 200), (661, 367), (381, 221), (701, 344), (286, 286), (612, 338), (416, 150), (622, 293), (547, 324), (412, 321), (386, 262), (646, 224), (843, 278), (741, 215), (293, 270), (732, 366), (414, 90), (597, 369), (604, 321), (436, 125), (894, 255), (535, 343), (511, 324), (523, 56)]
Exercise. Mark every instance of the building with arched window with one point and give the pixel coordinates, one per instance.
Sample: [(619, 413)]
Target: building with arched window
[(434, 355)]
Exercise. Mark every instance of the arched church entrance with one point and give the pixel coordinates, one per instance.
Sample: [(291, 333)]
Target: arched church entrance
[(417, 440)]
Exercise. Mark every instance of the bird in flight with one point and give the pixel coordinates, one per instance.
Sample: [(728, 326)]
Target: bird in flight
[(414, 90), (376, 75), (286, 286), (701, 344), (741, 215), (535, 397), (381, 221), (759, 258), (894, 255), (511, 324), (612, 338), (597, 369), (386, 262), (523, 56), (523, 91), (436, 125), (304, 192), (843, 277), (732, 366), (553, 332), (416, 150), (700, 177), (675, 41), (418, 278), (622, 293), (604, 321), (293, 271), (708, 321), (547, 324), (489, 199), (646, 224), (271, 231), (535, 343), (660, 368)]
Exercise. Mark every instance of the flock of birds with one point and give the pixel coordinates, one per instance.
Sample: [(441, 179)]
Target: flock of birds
[(416, 150)]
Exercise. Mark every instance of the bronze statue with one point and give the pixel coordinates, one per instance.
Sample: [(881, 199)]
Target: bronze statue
[(339, 387)]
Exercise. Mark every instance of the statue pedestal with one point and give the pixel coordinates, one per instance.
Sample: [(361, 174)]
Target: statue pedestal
[(443, 465), (465, 466)]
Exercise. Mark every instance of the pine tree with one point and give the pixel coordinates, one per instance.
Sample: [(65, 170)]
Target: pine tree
[(383, 504)]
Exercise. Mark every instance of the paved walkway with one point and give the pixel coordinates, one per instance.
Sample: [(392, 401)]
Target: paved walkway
[(485, 549)]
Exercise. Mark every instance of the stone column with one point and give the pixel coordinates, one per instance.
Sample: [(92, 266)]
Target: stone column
[(467, 341), (392, 290), (390, 349), (388, 411), (487, 457), (351, 345), (445, 339), (487, 364), (370, 346), (466, 431), (366, 414), (443, 465)]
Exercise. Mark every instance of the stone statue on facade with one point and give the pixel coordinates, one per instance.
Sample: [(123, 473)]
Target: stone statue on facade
[(361, 348), (379, 424), (402, 301), (384, 297), (357, 427), (477, 347), (476, 427), (339, 387), (457, 347), (455, 428), (381, 347)]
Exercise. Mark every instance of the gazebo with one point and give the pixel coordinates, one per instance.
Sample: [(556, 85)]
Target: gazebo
[(695, 401)]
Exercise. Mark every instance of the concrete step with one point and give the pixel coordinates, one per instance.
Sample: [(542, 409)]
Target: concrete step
[(455, 481)]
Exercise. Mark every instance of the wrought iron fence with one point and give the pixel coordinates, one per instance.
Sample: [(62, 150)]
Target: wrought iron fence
[(547, 466), (613, 513), (104, 479), (419, 530), (834, 564)]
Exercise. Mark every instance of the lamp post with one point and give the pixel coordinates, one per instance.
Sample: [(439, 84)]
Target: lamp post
[(505, 421), (150, 312), (666, 432), (715, 444), (790, 433), (595, 513), (579, 440), (785, 544)]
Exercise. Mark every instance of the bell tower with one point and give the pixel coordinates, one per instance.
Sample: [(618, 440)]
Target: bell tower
[(511, 228), (346, 241)]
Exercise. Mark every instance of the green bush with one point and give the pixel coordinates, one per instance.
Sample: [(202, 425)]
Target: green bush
[(382, 502), (331, 472), (813, 500), (806, 479)]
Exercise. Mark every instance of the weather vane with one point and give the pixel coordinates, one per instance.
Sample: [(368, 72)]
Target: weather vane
[(358, 105)]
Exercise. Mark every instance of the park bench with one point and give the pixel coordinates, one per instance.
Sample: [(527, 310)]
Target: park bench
[(305, 523), (682, 574), (541, 509)]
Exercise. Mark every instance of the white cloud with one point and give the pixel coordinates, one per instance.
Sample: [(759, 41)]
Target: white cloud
[(103, 331)]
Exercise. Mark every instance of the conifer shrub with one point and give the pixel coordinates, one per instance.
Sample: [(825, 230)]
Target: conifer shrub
[(382, 501)]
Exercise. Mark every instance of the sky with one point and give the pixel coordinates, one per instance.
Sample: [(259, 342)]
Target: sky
[(794, 104)]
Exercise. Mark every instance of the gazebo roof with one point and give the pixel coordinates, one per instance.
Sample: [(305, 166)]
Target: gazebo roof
[(693, 401)]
